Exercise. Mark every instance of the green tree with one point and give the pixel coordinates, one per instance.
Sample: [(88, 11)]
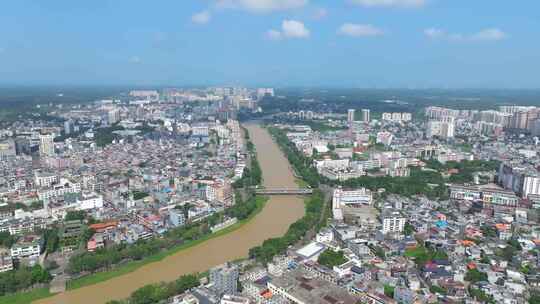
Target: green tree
[(474, 275), (75, 215), (331, 258), (438, 289), (535, 297), (6, 239), (389, 291), (51, 240), (312, 220), (408, 229)]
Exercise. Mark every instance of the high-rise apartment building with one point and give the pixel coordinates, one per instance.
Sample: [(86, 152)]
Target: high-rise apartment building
[(438, 112), (443, 128), (524, 180), (263, 92), (350, 116), (68, 126), (224, 278), (46, 145), (113, 116), (366, 115), (393, 221), (397, 116)]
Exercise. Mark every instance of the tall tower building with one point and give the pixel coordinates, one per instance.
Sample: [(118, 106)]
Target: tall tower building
[(68, 126), (350, 116), (46, 145), (113, 116), (224, 278), (443, 128), (366, 116)]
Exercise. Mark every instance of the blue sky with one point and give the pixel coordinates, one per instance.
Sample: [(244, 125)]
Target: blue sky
[(346, 43)]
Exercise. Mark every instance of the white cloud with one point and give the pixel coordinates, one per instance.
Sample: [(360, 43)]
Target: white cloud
[(201, 17), (493, 34), (289, 29), (294, 29), (490, 34), (390, 3), (359, 30), (262, 6)]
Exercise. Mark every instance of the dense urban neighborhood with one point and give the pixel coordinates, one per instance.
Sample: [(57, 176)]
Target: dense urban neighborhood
[(437, 205)]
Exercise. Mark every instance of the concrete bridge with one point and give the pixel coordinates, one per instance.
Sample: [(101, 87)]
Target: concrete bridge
[(284, 191)]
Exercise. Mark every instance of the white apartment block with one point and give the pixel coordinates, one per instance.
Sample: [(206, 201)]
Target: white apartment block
[(200, 131), (89, 200), (28, 248), (531, 185), (6, 263), (146, 94), (438, 112), (393, 221), (405, 116), (232, 299), (350, 115), (366, 117), (486, 195), (262, 92), (443, 128), (44, 179), (341, 175), (358, 197), (63, 187), (339, 164), (351, 198), (113, 116), (46, 145)]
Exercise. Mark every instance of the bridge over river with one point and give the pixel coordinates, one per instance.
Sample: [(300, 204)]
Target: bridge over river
[(284, 191), (273, 221)]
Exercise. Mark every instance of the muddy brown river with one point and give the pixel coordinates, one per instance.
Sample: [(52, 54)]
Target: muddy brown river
[(272, 221)]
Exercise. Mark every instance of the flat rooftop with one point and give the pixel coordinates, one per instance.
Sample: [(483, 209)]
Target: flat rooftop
[(311, 250)]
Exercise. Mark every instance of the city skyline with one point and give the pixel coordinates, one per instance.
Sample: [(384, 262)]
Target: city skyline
[(354, 43)]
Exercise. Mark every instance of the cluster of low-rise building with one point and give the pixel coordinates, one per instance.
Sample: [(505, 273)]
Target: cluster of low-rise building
[(479, 244), (138, 167), (380, 263)]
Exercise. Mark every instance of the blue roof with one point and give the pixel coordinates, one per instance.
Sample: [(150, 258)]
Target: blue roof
[(441, 224), (357, 270)]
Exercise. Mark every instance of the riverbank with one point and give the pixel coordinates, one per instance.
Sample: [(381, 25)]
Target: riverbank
[(99, 277), (272, 221), (131, 266), (313, 219), (254, 207), (26, 297), (315, 215)]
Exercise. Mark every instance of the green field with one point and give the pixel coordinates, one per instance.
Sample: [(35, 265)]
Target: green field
[(27, 297)]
